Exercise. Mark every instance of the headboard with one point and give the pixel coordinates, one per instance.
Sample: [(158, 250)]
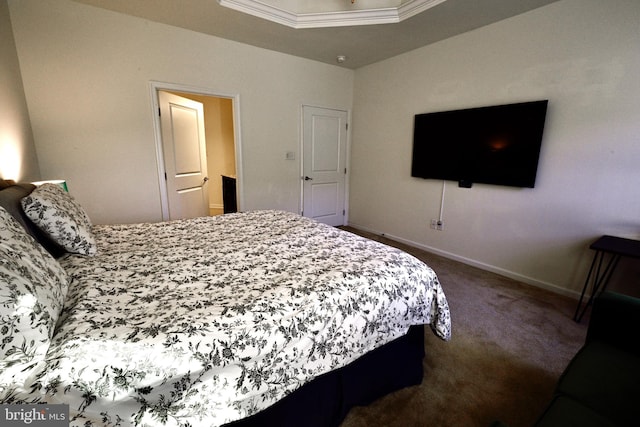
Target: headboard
[(11, 193)]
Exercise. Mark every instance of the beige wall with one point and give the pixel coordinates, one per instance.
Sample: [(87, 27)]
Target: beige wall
[(220, 145), (87, 75), (18, 160), (582, 55)]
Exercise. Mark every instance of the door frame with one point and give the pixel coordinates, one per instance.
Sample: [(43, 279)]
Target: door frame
[(154, 87), (347, 158)]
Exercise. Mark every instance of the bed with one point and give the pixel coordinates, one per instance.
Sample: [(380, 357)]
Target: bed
[(253, 318)]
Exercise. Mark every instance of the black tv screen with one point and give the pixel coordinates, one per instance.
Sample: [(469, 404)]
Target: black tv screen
[(497, 145)]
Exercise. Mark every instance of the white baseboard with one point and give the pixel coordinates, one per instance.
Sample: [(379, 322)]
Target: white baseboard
[(478, 264)]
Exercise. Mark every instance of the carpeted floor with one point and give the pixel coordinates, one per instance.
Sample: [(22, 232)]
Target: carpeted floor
[(510, 343)]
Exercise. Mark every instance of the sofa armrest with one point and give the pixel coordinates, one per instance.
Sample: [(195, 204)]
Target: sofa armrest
[(615, 319)]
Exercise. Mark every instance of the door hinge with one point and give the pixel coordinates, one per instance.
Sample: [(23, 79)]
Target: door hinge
[(343, 212), (159, 112), (165, 176), (345, 171), (347, 126)]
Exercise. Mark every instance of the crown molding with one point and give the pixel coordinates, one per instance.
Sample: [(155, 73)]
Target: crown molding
[(412, 8), (341, 18)]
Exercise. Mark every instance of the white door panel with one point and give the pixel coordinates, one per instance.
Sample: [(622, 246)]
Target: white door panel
[(186, 140), (189, 202), (185, 156), (324, 164), (325, 200)]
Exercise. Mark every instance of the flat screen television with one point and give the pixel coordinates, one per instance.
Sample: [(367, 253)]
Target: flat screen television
[(497, 145)]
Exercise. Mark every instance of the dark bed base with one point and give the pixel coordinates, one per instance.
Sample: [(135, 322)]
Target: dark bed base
[(326, 400)]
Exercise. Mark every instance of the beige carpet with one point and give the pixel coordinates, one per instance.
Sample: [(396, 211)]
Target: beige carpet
[(510, 342)]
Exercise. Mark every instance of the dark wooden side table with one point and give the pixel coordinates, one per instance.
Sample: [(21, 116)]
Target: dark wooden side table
[(616, 248), (229, 201)]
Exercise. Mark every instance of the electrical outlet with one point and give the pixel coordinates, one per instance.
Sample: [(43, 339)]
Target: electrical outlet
[(437, 224)]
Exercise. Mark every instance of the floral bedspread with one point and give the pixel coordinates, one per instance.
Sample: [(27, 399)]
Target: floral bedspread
[(209, 320)]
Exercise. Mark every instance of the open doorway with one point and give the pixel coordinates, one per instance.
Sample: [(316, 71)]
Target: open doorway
[(222, 148), (221, 155)]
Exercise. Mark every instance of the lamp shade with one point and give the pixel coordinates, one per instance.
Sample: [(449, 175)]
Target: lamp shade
[(61, 182)]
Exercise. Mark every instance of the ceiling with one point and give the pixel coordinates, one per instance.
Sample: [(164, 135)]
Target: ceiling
[(361, 45)]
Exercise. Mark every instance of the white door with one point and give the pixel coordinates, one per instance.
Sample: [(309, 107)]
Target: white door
[(324, 168), (185, 155)]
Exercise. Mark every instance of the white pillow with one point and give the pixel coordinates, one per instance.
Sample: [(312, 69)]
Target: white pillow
[(32, 290), (61, 217)]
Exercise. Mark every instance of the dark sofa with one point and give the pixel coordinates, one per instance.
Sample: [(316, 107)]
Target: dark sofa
[(601, 384)]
